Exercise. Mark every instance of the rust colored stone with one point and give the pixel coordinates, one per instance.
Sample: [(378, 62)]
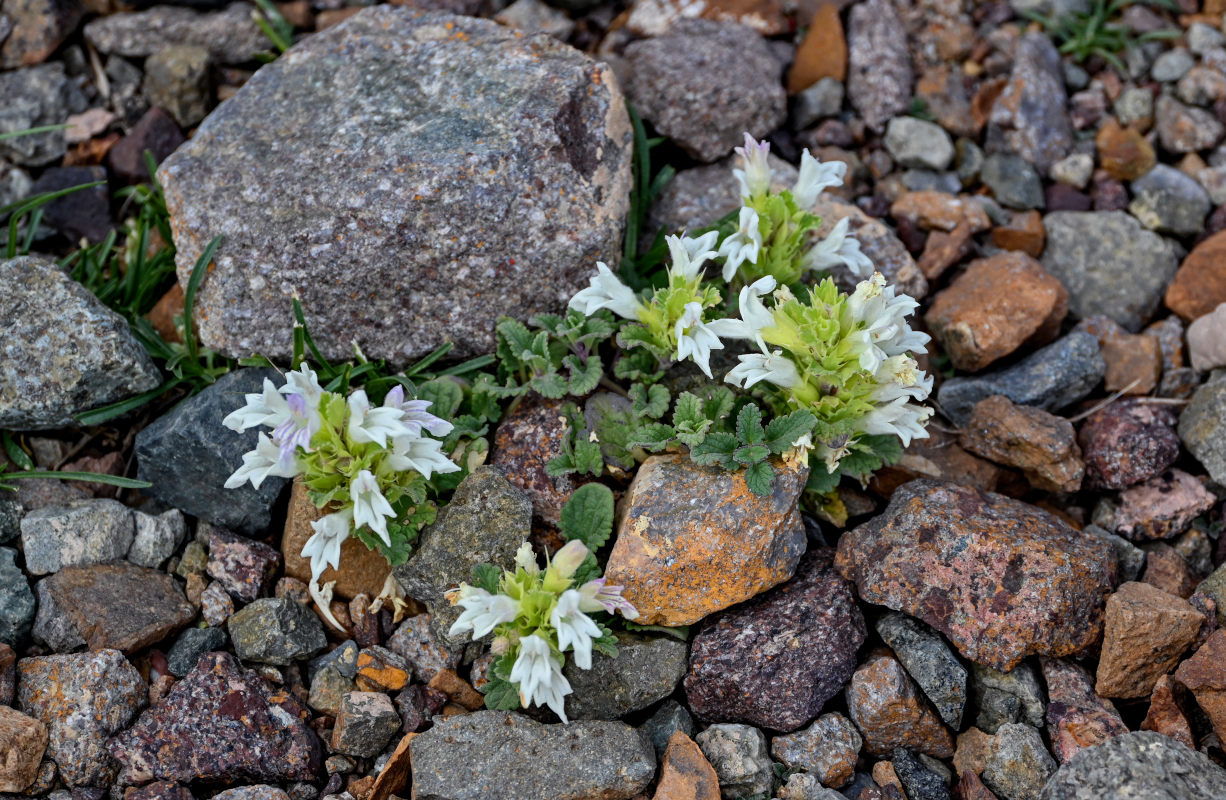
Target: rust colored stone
[(1168, 571), (941, 87), (1205, 676), (376, 674), (1123, 153), (362, 571), (1000, 578), (1134, 363), (933, 210), (394, 776), (1076, 717), (8, 674), (1127, 442), (822, 53), (1024, 231), (1161, 507), (23, 740), (686, 774), (938, 457), (889, 711), (1199, 286), (162, 315), (985, 97), (1165, 715), (1146, 633), (457, 689), (694, 540), (970, 787), (943, 250), (885, 776), (526, 440), (1041, 445), (971, 753)]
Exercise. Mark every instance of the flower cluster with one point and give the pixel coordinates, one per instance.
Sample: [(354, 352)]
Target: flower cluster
[(536, 615), (369, 465)]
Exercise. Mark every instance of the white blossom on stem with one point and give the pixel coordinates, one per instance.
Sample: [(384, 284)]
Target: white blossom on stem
[(606, 291), (743, 245), (695, 339), (575, 629), (815, 176), (539, 676), (754, 174)]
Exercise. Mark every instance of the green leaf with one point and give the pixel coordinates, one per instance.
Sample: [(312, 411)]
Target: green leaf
[(606, 644), (759, 478), (15, 453), (189, 296), (783, 431), (649, 401), (88, 477), (751, 454), (588, 458), (550, 385), (681, 632), (821, 481), (749, 424), (588, 515), (501, 694), (445, 396), (654, 437), (486, 576), (584, 376), (716, 449), (638, 365), (587, 571)]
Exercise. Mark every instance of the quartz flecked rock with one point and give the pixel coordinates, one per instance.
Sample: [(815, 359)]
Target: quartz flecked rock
[(704, 84), (500, 755), (1077, 717), (86, 532), (1000, 578), (775, 660), (694, 540), (276, 631), (230, 35), (646, 670), (187, 454), (740, 759), (52, 627), (1202, 426), (474, 120), (890, 712), (1126, 443), (1006, 697), (82, 699), (1135, 765), (879, 77), (927, 659), (63, 352), (1167, 200), (828, 748), (365, 723), (220, 723), (244, 567), (526, 439), (157, 537), (1109, 264), (1029, 116), (1018, 763), (191, 644), (416, 643)]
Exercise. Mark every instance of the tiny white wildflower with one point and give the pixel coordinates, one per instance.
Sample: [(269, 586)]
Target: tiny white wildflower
[(754, 314), (575, 629), (695, 339), (754, 367), (482, 611), (598, 595), (323, 549), (539, 676), (420, 454), (569, 558), (754, 174), (303, 381), (262, 408), (688, 255), (606, 291), (839, 248), (267, 459), (815, 177), (743, 245), (374, 425), (370, 507), (415, 415)]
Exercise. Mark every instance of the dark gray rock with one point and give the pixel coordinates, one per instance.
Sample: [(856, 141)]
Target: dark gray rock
[(365, 723), (191, 644), (879, 73), (1137, 765), (1169, 201), (34, 97), (739, 757), (231, 36), (1202, 426), (75, 353), (17, 601), (11, 512), (485, 523), (343, 657), (929, 662), (1018, 763), (1109, 264), (1029, 118), (415, 642), (919, 782), (187, 454), (83, 214), (822, 99), (260, 792), (647, 669), (479, 129), (669, 718), (500, 755), (1013, 181), (276, 631), (85, 532), (682, 82), (1056, 376), (1004, 698), (53, 628), (157, 537)]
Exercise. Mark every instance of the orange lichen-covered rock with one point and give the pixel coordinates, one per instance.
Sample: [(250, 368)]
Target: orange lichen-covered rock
[(694, 540), (1205, 676), (362, 570), (686, 774), (1146, 633), (889, 711)]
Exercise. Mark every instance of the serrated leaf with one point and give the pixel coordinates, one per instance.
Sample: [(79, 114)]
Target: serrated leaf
[(501, 695), (654, 437), (550, 385), (782, 432), (587, 515), (584, 376), (589, 570), (751, 454), (606, 645), (718, 403), (749, 424), (888, 447), (486, 576), (820, 481), (513, 338), (612, 419), (759, 478), (716, 448), (688, 411), (637, 365), (588, 458), (445, 396), (649, 401)]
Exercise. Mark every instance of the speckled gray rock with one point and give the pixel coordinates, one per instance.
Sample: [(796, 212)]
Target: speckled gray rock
[(1056, 376), (879, 73), (53, 629), (669, 718), (83, 700), (365, 723), (1029, 118), (500, 755), (1109, 264), (483, 135), (34, 97), (1137, 765), (822, 99), (485, 523), (647, 669), (191, 644), (187, 454), (929, 662), (61, 350), (1018, 763), (915, 142), (157, 537), (85, 532), (705, 83), (17, 601), (230, 35), (1172, 65), (828, 748), (11, 512), (416, 643), (1185, 129), (1202, 426), (276, 631), (739, 757), (918, 780), (259, 792), (1006, 697), (177, 80), (1169, 201), (1013, 181)]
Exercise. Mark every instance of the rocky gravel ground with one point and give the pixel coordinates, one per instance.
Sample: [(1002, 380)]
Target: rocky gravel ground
[(1026, 606)]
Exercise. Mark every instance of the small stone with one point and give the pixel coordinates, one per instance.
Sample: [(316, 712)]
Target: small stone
[(822, 99), (1135, 106), (1029, 117), (938, 457), (11, 512), (1127, 442), (1077, 717), (1214, 586), (365, 723), (1006, 697), (918, 780), (970, 787), (1165, 569), (1134, 361), (36, 96), (1202, 426), (1147, 632), (23, 740), (996, 306), (533, 16), (1172, 65), (739, 756), (499, 755), (457, 690), (1074, 170), (1124, 153), (52, 628), (191, 644), (37, 29), (942, 250), (972, 751), (803, 786), (381, 670), (328, 687), (260, 792), (828, 749), (918, 143), (822, 53), (84, 214), (1207, 340), (16, 601), (1013, 181), (230, 35), (527, 438), (940, 211), (1137, 765), (415, 641), (156, 538), (645, 671), (272, 631), (83, 700), (177, 80), (1169, 201), (879, 80), (1165, 716), (888, 710), (216, 605), (654, 17), (669, 718), (1018, 765), (1204, 674), (87, 532), (1184, 129), (243, 567), (1213, 181), (685, 773), (1023, 231), (929, 662), (1202, 86), (1161, 507), (1200, 284), (1041, 445), (155, 132)]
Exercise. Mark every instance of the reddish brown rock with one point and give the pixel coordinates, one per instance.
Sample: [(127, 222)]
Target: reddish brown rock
[(1000, 578), (362, 571), (1161, 507), (972, 751), (1077, 717), (1024, 231), (8, 674), (395, 774), (1123, 152), (942, 88), (889, 711), (244, 567), (997, 305), (1146, 633), (932, 210), (970, 787), (1134, 361), (822, 53), (1200, 284), (38, 27), (938, 457), (942, 250), (686, 774), (1205, 676), (23, 740), (1165, 715), (694, 540), (1165, 569), (1041, 445), (526, 440), (1127, 442), (457, 689)]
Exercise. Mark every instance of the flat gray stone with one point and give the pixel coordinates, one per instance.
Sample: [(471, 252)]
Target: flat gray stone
[(83, 533), (34, 97), (1029, 118), (230, 35), (17, 602), (426, 174), (1202, 426), (53, 628), (62, 351), (1137, 765), (918, 143), (276, 631), (157, 537), (739, 756), (929, 662), (1169, 201), (647, 669)]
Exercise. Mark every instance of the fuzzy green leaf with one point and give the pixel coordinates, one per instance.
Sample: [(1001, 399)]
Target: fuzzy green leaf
[(717, 448), (759, 478), (501, 695), (783, 431), (649, 401), (445, 396), (638, 365), (749, 424), (751, 454), (820, 481), (654, 437), (486, 576), (584, 376), (550, 385), (588, 515)]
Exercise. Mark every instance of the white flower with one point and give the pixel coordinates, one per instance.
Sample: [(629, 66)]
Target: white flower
[(263, 408), (839, 248), (323, 549), (754, 367), (575, 629), (815, 177), (688, 255), (525, 559), (755, 173), (597, 595), (744, 245), (374, 425), (696, 340), (606, 291), (298, 427), (569, 558), (420, 454), (482, 611), (899, 417), (885, 331), (539, 676), (302, 381), (370, 507), (415, 415), (754, 314), (265, 460)]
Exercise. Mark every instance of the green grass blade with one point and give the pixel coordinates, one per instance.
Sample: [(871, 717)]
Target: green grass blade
[(189, 297), (109, 412), (90, 477), (14, 451)]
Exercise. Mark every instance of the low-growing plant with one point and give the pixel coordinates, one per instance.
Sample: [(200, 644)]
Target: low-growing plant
[(1100, 31)]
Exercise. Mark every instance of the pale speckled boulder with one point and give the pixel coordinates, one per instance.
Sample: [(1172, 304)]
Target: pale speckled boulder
[(411, 176)]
